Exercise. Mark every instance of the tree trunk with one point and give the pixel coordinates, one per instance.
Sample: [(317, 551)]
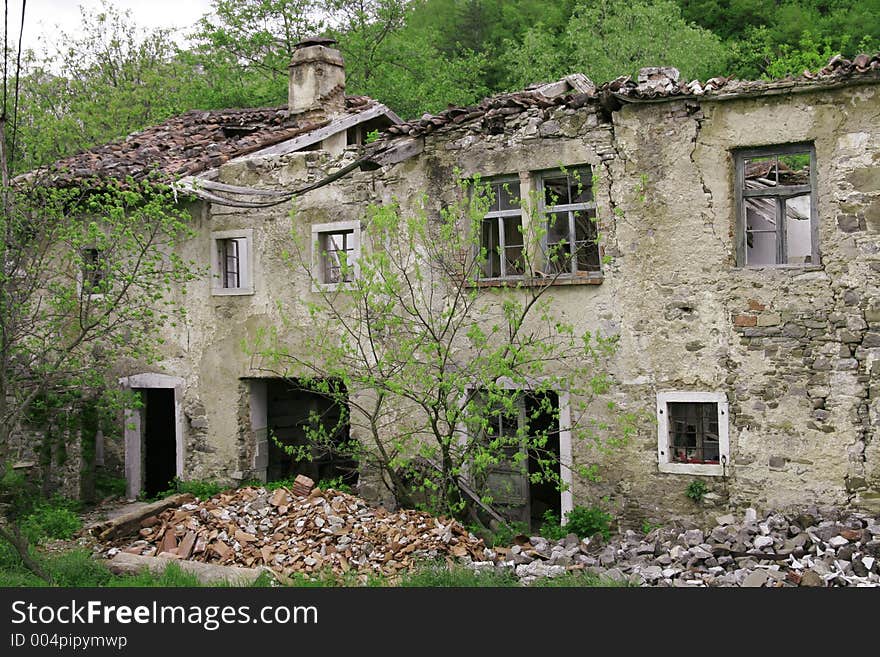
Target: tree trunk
[(11, 533)]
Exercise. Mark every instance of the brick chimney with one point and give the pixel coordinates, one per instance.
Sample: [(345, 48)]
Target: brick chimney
[(317, 79)]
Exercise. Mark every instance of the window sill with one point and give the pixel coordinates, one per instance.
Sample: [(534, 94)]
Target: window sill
[(231, 291), (705, 469), (521, 281), (795, 267), (333, 287)]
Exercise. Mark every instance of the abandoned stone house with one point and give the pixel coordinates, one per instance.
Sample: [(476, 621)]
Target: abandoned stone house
[(739, 263)]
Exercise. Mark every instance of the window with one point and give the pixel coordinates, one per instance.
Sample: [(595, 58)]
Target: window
[(232, 262), (501, 233), (335, 252), (94, 272), (692, 435), (776, 206), (570, 244)]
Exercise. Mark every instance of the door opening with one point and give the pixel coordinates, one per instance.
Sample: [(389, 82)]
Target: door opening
[(159, 439), (307, 426), (524, 483)]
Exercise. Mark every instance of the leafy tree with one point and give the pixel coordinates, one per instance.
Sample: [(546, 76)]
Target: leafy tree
[(89, 274), (243, 49), (609, 38), (103, 85), (486, 27), (776, 39), (426, 359)]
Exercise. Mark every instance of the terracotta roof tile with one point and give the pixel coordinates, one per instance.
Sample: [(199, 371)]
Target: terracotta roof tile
[(199, 140), (191, 142)]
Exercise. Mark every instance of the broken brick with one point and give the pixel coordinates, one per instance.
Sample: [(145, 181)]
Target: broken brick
[(745, 320)]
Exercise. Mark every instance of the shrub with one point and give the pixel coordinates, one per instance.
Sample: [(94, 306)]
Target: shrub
[(109, 486), (335, 483), (585, 521), (502, 536), (201, 489), (552, 529), (50, 522)]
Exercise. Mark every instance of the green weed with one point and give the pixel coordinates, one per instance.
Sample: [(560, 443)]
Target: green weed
[(441, 574), (586, 521), (579, 580), (696, 490)]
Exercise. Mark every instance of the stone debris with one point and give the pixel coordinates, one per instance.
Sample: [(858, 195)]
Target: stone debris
[(317, 530), (653, 82), (825, 549), (306, 533)]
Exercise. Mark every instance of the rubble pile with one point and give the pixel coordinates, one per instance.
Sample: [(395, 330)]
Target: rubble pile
[(811, 548), (300, 530), (309, 530), (652, 82)]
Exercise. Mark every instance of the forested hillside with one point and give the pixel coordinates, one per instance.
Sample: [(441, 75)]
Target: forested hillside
[(415, 56)]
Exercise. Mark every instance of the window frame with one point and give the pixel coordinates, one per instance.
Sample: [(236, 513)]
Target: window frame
[(499, 216), (664, 458), (570, 209), (89, 268), (318, 261), (247, 272), (740, 156)]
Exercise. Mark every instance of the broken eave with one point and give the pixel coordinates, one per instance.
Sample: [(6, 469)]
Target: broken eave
[(757, 89)]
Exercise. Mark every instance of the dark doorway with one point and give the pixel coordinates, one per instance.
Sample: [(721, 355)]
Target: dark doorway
[(312, 419), (542, 413), (159, 439)]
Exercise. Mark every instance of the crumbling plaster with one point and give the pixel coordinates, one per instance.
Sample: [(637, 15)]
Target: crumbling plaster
[(797, 351)]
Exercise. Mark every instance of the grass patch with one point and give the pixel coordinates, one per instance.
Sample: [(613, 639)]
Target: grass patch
[(79, 569), (53, 518), (442, 575), (328, 579), (172, 576), (574, 579), (75, 568)]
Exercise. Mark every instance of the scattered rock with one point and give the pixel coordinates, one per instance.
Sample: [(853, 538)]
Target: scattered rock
[(811, 578), (755, 579), (289, 533), (837, 541)]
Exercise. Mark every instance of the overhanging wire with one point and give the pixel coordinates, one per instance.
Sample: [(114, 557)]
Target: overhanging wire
[(17, 76), (5, 51)]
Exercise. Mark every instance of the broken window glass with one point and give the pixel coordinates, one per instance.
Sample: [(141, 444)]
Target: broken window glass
[(501, 237), (777, 201), (337, 251), (571, 245), (230, 256)]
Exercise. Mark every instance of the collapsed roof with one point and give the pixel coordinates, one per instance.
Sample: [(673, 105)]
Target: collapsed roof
[(200, 141)]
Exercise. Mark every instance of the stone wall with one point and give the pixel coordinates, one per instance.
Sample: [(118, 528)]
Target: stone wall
[(796, 350)]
